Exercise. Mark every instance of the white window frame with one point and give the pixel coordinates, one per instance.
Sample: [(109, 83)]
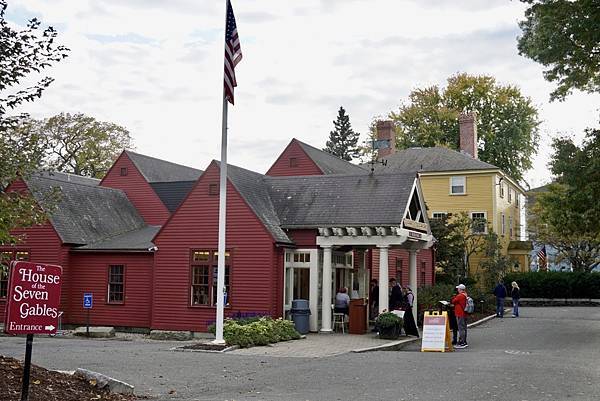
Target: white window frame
[(509, 195), (503, 218), (443, 214), (464, 179), (485, 228), (502, 190)]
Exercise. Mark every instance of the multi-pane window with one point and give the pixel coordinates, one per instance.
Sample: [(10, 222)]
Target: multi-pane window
[(399, 267), (458, 185), (123, 171), (502, 190), (5, 258), (438, 215), (213, 189), (204, 270), (509, 195), (503, 224), (302, 257), (479, 225), (510, 226), (116, 284)]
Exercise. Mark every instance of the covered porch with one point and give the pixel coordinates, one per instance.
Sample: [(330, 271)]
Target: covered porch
[(382, 238)]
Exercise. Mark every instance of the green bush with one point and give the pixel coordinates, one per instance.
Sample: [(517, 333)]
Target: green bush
[(428, 298), (558, 285), (388, 319), (258, 331)]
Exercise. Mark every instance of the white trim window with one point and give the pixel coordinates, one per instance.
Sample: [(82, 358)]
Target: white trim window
[(479, 222), (502, 190), (458, 185), (503, 224), (439, 215), (509, 195), (510, 226)]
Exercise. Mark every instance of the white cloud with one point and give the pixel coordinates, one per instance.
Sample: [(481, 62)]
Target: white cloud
[(156, 67)]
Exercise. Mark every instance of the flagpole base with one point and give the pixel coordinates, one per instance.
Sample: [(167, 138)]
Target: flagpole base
[(218, 342)]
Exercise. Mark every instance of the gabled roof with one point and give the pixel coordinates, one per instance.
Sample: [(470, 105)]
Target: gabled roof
[(172, 193), (252, 188), (157, 170), (85, 213), (431, 159), (340, 200), (329, 163), (130, 241)]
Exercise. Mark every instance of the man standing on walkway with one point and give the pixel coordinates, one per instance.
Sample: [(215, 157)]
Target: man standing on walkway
[(460, 303), (500, 293)]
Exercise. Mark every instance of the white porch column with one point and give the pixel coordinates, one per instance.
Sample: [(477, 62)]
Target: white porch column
[(383, 278), (412, 277), (313, 290), (326, 291)]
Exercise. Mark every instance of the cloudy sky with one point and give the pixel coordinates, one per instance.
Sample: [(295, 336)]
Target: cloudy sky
[(156, 67)]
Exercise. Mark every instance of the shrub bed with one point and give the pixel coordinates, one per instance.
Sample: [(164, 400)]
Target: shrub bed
[(257, 331), (428, 299), (556, 284)]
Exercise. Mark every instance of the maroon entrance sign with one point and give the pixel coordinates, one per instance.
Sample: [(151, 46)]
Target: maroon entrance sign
[(33, 298)]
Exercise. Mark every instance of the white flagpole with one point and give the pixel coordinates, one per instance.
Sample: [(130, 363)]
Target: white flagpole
[(222, 216)]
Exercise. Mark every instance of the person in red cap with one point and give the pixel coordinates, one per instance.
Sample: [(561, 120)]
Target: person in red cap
[(460, 303)]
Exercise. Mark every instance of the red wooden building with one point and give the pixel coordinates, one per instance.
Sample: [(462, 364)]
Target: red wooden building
[(143, 240)]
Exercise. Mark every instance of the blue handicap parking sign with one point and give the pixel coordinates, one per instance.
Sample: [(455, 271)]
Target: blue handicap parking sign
[(87, 301)]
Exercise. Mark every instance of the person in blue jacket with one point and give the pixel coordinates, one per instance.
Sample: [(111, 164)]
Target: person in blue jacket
[(500, 293)]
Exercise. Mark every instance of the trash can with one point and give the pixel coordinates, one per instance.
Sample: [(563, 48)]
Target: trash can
[(300, 313)]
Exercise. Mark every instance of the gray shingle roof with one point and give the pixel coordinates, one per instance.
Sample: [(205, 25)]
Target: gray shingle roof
[(339, 200), (86, 213), (172, 193), (430, 159), (328, 163), (157, 170), (252, 188), (131, 241)]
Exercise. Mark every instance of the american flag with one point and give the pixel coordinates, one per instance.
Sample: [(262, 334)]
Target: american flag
[(233, 53), (542, 258)]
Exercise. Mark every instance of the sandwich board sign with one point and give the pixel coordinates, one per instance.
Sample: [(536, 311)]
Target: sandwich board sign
[(436, 332), (32, 306)]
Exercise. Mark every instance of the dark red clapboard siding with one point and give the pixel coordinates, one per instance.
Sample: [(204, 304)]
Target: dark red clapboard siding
[(89, 272), (425, 255), (139, 192), (194, 226), (305, 165), (44, 246), (304, 238)]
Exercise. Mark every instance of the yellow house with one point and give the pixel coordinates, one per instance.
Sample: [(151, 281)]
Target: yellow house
[(457, 181)]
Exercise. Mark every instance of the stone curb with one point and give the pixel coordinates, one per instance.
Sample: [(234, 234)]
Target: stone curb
[(105, 382), (391, 346), (486, 319)]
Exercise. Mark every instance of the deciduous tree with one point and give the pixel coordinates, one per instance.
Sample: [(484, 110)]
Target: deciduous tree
[(563, 36), (80, 144), (567, 216), (507, 123), (22, 52)]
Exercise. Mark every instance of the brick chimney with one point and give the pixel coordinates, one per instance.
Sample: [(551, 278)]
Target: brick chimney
[(468, 133), (385, 131)]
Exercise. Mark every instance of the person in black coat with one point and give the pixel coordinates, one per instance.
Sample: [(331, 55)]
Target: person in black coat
[(374, 299), (396, 298), (410, 326), (500, 293)]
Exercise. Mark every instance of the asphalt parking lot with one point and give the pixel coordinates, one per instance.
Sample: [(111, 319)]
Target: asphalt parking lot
[(547, 354)]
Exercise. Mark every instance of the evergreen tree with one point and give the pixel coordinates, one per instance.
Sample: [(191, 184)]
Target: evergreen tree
[(343, 141)]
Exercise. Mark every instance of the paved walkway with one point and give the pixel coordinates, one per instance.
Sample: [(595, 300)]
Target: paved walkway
[(547, 354), (318, 346)]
